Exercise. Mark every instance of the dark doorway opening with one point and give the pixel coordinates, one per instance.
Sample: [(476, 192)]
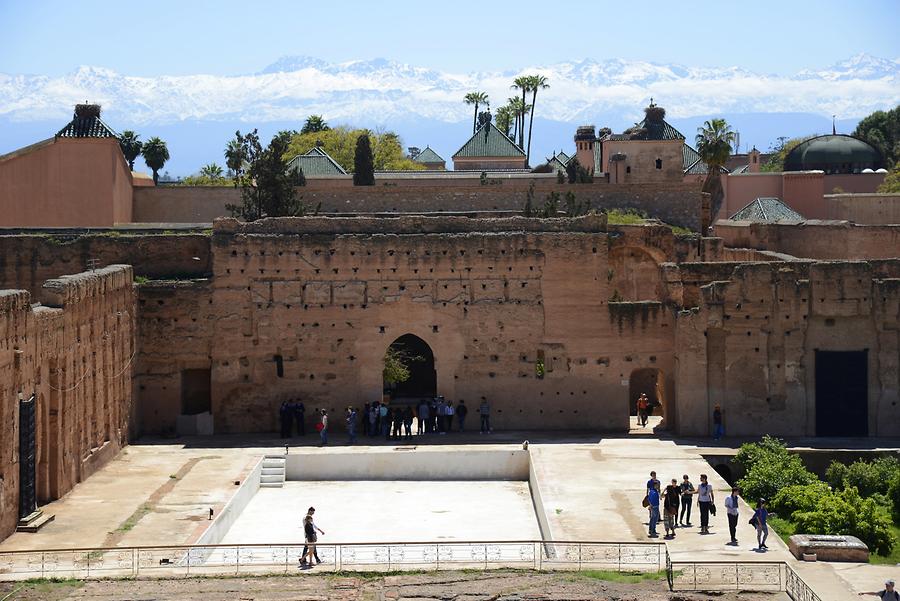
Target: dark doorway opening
[(196, 389), (419, 359), (842, 393), (27, 489)]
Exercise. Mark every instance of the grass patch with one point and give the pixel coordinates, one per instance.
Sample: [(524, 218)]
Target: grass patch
[(782, 527), (134, 518), (894, 557), (624, 217), (141, 279), (623, 577)]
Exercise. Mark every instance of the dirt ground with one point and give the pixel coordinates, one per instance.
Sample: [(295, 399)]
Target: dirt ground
[(442, 586)]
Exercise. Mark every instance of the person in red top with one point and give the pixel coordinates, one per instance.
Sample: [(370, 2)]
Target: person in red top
[(643, 408)]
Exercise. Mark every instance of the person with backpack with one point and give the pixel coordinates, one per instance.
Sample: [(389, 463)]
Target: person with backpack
[(653, 500), (670, 507), (705, 499), (759, 521)]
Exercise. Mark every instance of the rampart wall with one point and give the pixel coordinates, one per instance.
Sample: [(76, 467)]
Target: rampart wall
[(27, 261), (74, 351), (675, 203), (837, 240), (870, 209), (752, 341)]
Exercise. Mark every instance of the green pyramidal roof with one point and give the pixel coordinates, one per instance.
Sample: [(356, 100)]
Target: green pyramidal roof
[(428, 156), (489, 142), (316, 162)]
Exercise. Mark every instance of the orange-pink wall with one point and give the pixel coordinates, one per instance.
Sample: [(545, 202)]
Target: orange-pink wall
[(66, 182), (803, 191)]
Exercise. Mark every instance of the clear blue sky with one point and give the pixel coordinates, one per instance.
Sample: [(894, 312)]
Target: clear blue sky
[(186, 37)]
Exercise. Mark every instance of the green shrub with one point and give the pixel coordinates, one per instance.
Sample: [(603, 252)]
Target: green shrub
[(835, 475), (847, 512), (770, 468), (799, 497), (869, 477), (894, 495)]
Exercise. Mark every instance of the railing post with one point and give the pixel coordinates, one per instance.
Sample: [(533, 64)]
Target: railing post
[(619, 558), (42, 564), (237, 560), (485, 556), (579, 557)]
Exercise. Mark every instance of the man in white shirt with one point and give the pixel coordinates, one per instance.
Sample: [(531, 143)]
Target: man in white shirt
[(731, 507)]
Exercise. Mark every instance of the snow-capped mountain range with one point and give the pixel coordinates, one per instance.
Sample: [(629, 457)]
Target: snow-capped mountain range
[(380, 92)]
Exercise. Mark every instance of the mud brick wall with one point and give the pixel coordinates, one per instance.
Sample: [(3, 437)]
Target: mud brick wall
[(75, 352), (750, 345), (675, 203), (27, 261), (815, 239)]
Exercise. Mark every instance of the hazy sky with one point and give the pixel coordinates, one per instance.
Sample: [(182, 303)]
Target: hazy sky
[(186, 37)]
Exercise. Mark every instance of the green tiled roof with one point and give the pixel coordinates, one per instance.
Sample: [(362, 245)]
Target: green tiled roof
[(316, 163), (767, 209), (666, 132), (86, 127), (428, 156), (556, 164), (563, 157), (693, 165), (489, 142)]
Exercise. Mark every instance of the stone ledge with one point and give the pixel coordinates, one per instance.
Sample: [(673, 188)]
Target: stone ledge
[(828, 547), (67, 289)]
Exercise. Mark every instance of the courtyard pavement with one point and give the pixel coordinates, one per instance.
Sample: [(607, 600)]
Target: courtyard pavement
[(159, 492)]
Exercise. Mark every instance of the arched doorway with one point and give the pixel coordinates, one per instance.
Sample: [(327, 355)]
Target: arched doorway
[(416, 355), (651, 382)]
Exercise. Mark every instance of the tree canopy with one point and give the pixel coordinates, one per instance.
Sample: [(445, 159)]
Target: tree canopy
[(881, 129), (131, 146), (776, 161), (156, 153), (340, 143), (267, 189)]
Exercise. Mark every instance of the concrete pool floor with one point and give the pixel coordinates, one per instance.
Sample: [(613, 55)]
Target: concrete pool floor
[(389, 511)]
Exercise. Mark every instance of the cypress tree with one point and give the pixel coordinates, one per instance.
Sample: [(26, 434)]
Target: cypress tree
[(363, 163)]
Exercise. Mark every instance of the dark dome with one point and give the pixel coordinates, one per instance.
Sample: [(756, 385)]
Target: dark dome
[(836, 153)]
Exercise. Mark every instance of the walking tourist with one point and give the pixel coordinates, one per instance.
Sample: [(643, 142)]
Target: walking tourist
[(461, 411), (285, 416), (643, 406), (300, 417), (365, 419), (731, 508), (434, 415), (888, 594), (652, 482), (323, 429), (484, 410), (384, 419), (373, 419), (670, 507), (653, 499), (310, 513), (397, 422), (705, 499), (351, 424), (759, 521), (442, 415), (687, 499), (422, 417), (407, 420), (718, 427), (450, 415)]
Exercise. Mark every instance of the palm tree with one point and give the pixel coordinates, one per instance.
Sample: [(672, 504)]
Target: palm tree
[(234, 157), (313, 124), (131, 146), (518, 109), (503, 119), (535, 82), (155, 155), (714, 142), (212, 171), (522, 83), (475, 98)]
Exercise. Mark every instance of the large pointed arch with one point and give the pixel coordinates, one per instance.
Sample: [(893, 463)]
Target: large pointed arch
[(422, 382)]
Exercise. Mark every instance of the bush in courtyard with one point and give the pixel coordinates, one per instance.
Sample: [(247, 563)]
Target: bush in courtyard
[(869, 477), (849, 513), (835, 475), (894, 496), (799, 497), (770, 468)]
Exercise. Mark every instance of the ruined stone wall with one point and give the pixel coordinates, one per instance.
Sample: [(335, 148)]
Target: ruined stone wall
[(750, 344), (28, 260), (329, 303), (74, 352), (675, 203), (838, 240)]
